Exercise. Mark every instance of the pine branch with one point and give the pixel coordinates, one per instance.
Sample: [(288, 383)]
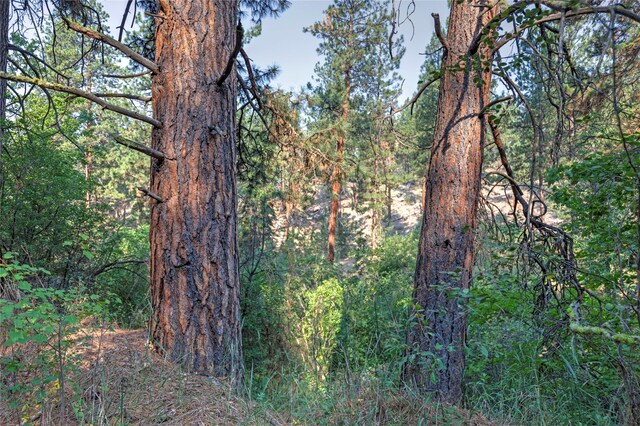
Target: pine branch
[(81, 93), (439, 33), (150, 194), (138, 147), (126, 50)]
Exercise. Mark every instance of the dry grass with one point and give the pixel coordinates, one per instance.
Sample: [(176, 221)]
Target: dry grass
[(121, 381), (384, 407)]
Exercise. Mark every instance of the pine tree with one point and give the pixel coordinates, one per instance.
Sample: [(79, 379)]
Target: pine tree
[(352, 36)]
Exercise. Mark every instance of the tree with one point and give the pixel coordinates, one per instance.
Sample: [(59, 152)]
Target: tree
[(194, 260), (4, 53), (350, 35), (194, 256), (445, 251), (436, 340)]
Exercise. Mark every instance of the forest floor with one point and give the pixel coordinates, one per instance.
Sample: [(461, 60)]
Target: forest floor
[(120, 380)]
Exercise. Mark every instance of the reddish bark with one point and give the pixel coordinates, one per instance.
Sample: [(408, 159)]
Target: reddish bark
[(4, 54), (194, 256), (445, 259), (336, 175)]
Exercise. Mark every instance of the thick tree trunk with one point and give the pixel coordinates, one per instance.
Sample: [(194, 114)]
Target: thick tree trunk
[(4, 53), (445, 258), (336, 175), (194, 256)]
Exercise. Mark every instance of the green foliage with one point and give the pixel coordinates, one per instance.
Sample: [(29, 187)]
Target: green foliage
[(307, 325), (36, 332), (321, 323)]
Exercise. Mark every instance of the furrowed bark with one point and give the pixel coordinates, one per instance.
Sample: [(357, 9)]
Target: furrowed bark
[(195, 284), (445, 256), (4, 53)]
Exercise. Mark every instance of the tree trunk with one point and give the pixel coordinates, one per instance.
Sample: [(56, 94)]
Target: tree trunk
[(88, 157), (436, 341), (288, 208), (423, 196), (374, 202), (336, 175), (4, 53), (194, 255)]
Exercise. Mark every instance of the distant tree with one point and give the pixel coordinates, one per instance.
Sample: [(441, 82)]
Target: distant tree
[(351, 35)]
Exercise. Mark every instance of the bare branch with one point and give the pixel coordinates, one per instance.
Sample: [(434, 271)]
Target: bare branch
[(126, 50), (27, 53), (150, 194), (140, 74), (124, 95), (415, 98), (506, 38), (111, 265), (252, 79), (138, 147), (124, 19), (495, 102), (439, 34), (81, 93), (234, 55), (118, 95)]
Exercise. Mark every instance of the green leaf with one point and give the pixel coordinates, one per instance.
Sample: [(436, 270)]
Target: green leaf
[(40, 338), (484, 351), (24, 286)]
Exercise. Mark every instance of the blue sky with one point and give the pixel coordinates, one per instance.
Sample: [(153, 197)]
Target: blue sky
[(283, 43)]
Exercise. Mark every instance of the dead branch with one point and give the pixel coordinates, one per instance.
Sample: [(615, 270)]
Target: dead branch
[(563, 14), (81, 93), (150, 194), (252, 79), (506, 38), (439, 33), (493, 103), (234, 55), (415, 98), (140, 74), (126, 50), (562, 242), (27, 53), (124, 95), (138, 147)]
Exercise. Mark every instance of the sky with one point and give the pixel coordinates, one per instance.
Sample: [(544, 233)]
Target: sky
[(283, 42)]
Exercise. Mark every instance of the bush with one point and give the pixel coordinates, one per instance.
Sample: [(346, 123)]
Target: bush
[(37, 329)]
